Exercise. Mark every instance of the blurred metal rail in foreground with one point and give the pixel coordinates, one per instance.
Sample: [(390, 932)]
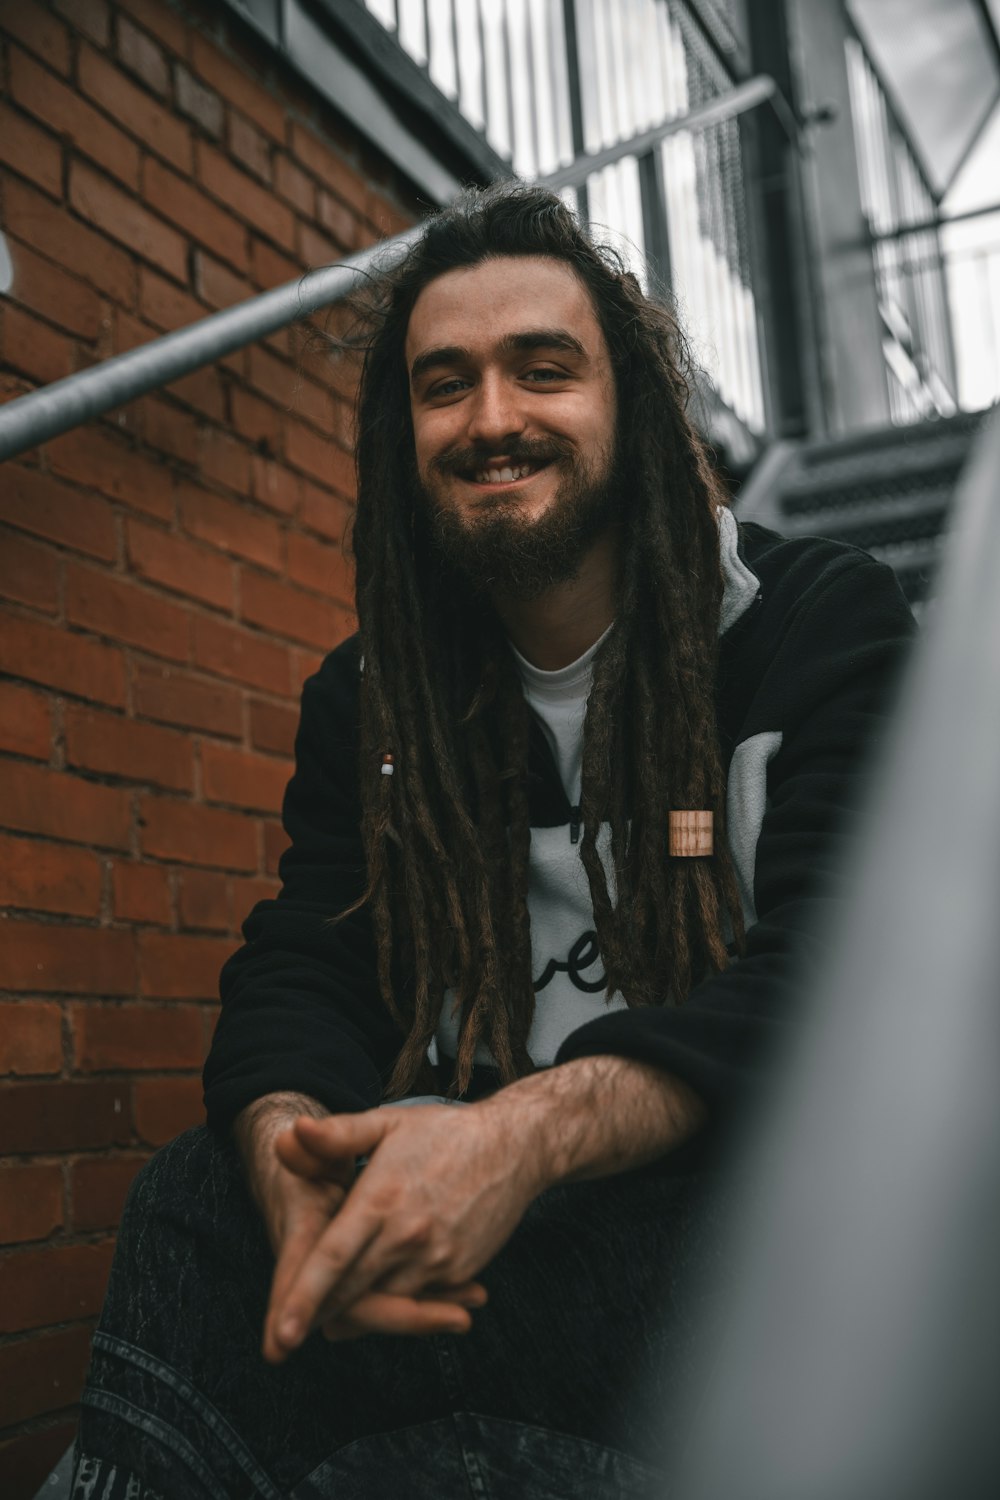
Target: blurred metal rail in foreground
[(861, 1355)]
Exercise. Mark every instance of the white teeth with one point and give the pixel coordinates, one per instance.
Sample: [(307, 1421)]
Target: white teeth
[(503, 476)]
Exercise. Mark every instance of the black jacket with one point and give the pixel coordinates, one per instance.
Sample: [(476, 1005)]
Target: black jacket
[(805, 676)]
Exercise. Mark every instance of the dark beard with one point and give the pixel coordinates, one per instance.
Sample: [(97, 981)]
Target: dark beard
[(498, 551)]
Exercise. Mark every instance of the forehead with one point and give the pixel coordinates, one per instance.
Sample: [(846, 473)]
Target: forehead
[(474, 306)]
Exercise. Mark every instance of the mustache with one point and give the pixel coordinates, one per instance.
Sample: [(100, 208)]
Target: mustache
[(462, 461)]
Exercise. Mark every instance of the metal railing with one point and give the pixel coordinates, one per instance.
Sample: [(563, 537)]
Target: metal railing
[(910, 281), (858, 1357), (56, 408)]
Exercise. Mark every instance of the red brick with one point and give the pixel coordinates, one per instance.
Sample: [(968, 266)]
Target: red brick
[(225, 459), (44, 1374), (338, 220), (170, 430), (48, 654), (124, 220), (89, 16), (169, 27), (128, 332), (231, 526), (174, 697), (255, 420), (306, 664), (318, 456), (98, 1186), (60, 806), (141, 893), (181, 967), (273, 726), (320, 567), (200, 104), (64, 110), (26, 1460), (216, 284), (52, 1284), (31, 1201), (244, 655), (289, 611), (294, 186), (164, 304), (140, 54), (247, 892), (37, 29), (180, 565), (25, 722), (249, 147), (113, 607), (275, 844), (28, 573), (34, 349), (30, 151), (49, 877), (166, 1106), (104, 461), (331, 169), (243, 779), (195, 835), (316, 249), (30, 1037), (44, 225), (64, 1116), (270, 267), (232, 82), (155, 127), (68, 960), (194, 212), (38, 503), (274, 486), (244, 196), (204, 390), (118, 746), (64, 300), (328, 514), (272, 376), (136, 1036), (203, 901)]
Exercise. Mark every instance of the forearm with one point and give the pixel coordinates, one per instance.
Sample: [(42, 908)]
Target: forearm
[(594, 1117), (256, 1126)]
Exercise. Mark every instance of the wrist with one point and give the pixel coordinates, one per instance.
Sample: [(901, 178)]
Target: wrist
[(254, 1130)]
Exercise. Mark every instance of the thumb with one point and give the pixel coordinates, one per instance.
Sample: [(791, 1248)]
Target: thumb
[(338, 1136)]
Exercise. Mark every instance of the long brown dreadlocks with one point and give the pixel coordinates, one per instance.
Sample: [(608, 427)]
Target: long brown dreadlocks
[(447, 835)]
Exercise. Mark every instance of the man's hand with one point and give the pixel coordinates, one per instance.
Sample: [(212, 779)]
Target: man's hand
[(444, 1189), (298, 1197)]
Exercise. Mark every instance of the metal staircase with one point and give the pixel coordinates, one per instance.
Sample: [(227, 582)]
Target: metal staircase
[(888, 490)]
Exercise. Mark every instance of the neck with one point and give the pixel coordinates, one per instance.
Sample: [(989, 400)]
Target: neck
[(564, 622)]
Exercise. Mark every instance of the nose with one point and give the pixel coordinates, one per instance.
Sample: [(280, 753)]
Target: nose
[(495, 412)]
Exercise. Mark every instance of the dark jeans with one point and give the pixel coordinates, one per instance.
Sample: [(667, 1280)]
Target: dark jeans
[(570, 1383)]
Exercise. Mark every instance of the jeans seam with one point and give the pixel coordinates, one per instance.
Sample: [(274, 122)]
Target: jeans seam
[(209, 1415), (154, 1427)]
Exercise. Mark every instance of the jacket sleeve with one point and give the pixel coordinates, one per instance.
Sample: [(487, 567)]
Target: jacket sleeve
[(301, 1008), (826, 674)]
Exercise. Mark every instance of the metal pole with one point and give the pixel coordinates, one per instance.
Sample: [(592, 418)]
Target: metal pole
[(54, 409)]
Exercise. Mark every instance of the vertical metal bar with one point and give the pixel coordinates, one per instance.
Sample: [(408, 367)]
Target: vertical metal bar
[(453, 7), (653, 197), (575, 100), (536, 118)]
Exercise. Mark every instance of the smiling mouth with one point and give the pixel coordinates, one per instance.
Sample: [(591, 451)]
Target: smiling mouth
[(506, 473)]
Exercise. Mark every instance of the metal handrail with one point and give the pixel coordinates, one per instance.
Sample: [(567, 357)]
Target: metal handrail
[(66, 403), (858, 1354)]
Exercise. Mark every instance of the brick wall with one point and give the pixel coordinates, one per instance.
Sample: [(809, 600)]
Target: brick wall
[(168, 577)]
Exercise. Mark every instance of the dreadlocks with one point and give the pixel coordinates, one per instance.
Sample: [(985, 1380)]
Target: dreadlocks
[(447, 835)]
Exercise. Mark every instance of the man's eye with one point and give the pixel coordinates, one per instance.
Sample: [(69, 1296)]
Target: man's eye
[(449, 387), (544, 375)]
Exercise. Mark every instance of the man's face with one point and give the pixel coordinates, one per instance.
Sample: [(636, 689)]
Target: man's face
[(514, 418)]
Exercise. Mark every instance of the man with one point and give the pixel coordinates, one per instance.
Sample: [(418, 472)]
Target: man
[(572, 670)]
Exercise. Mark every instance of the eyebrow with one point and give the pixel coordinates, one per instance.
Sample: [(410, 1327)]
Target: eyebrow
[(511, 343)]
